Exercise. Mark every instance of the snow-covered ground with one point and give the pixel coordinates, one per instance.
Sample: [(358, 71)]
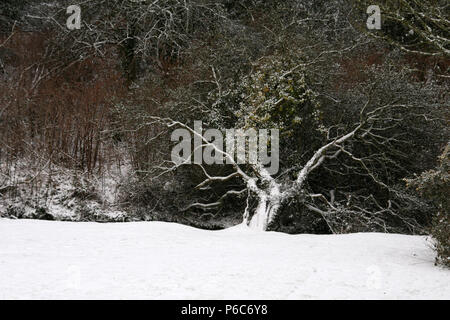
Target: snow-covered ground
[(152, 260)]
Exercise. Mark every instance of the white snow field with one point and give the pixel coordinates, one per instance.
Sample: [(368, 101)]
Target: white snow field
[(153, 260)]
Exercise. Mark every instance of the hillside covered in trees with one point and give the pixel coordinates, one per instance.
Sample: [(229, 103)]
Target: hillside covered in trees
[(351, 121)]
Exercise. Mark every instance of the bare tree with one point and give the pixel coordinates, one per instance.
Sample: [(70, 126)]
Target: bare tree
[(273, 193)]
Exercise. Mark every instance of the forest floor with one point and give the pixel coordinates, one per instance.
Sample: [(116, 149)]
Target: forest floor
[(155, 260)]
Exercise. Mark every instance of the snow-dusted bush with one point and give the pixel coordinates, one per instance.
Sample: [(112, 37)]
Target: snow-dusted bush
[(435, 186), (277, 95)]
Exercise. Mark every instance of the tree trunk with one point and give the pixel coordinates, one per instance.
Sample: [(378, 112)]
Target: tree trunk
[(268, 203)]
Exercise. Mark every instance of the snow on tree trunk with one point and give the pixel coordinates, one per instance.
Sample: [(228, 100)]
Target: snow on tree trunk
[(265, 212), (269, 202)]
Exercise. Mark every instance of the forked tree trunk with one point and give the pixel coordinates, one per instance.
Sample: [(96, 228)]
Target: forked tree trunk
[(269, 197)]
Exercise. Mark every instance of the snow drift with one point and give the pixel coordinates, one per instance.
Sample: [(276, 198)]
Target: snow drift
[(66, 260)]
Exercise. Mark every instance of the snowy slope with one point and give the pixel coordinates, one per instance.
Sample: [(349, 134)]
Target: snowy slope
[(40, 259)]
